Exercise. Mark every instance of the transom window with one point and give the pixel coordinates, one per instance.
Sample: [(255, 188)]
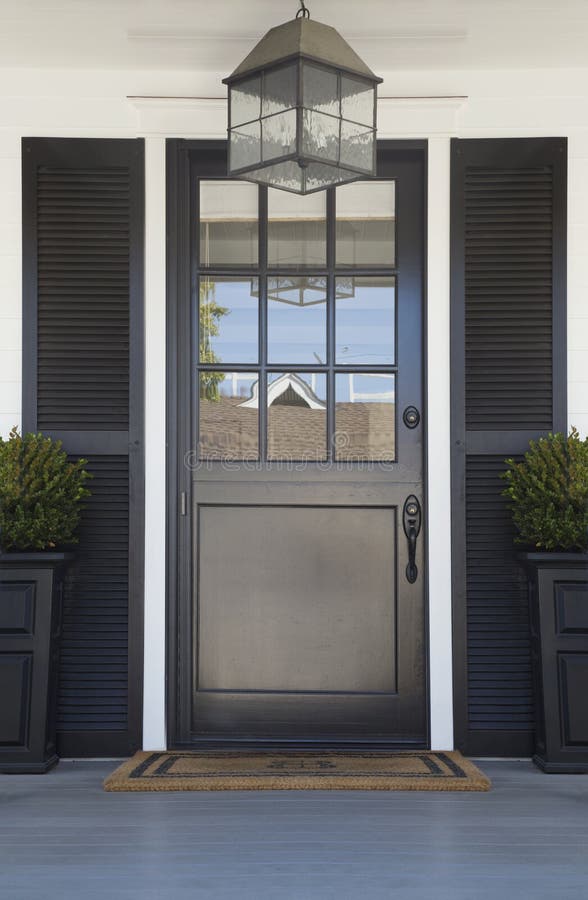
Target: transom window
[(295, 305)]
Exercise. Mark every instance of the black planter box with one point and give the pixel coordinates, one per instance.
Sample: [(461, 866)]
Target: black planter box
[(31, 598), (558, 596)]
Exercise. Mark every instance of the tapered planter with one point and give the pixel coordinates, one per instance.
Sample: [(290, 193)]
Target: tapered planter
[(558, 596), (31, 596)]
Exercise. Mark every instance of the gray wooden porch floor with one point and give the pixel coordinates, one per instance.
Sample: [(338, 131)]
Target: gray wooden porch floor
[(62, 837)]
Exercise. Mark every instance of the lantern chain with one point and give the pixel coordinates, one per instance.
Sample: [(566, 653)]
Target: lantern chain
[(303, 11)]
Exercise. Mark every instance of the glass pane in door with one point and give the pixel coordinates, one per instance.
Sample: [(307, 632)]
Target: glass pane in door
[(228, 223), (297, 416), (366, 222), (365, 318), (228, 320), (296, 229), (228, 415), (297, 320), (365, 417)]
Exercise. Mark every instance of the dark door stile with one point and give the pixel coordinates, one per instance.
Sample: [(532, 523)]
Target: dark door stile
[(214, 501)]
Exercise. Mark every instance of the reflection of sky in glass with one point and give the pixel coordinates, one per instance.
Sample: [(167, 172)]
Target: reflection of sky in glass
[(357, 388), (365, 324), (237, 338), (296, 334)]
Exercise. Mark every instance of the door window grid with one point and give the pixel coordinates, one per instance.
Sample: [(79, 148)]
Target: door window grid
[(277, 284)]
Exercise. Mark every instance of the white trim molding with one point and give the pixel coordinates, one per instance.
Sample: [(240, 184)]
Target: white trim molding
[(154, 699), (206, 117), (402, 117), (439, 447)]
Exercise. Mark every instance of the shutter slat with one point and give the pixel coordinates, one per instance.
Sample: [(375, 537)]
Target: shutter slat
[(522, 340), (76, 335), (97, 635), (497, 629)]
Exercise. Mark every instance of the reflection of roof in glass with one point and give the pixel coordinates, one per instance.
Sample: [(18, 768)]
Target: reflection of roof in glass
[(285, 390)]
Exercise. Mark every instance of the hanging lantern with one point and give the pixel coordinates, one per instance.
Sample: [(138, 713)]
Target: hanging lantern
[(302, 110)]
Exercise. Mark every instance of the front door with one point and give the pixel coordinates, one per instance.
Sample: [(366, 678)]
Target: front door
[(303, 616)]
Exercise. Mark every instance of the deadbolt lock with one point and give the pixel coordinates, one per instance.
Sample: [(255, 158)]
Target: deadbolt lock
[(411, 417)]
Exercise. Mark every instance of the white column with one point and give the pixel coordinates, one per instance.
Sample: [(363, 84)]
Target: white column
[(439, 440), (154, 725)]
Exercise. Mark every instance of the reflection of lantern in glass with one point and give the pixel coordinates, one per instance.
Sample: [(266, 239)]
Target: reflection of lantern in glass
[(305, 290), (302, 110)]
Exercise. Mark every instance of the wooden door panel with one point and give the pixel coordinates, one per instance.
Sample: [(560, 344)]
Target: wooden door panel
[(296, 599)]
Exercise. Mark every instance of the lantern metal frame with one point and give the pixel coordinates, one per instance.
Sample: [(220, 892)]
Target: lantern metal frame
[(339, 59)]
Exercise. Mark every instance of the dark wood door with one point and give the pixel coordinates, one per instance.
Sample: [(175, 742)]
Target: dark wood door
[(306, 600)]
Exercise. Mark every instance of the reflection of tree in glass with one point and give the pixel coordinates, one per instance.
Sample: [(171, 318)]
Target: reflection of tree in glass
[(210, 313)]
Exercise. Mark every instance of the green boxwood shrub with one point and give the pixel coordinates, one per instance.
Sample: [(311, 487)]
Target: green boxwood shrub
[(548, 493), (41, 493)]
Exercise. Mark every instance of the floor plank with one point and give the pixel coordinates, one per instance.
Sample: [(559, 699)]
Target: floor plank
[(62, 837)]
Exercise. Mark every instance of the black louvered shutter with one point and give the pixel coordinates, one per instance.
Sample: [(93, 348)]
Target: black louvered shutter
[(83, 383), (508, 371)]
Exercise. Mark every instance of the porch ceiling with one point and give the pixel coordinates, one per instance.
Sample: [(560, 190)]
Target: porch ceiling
[(213, 36)]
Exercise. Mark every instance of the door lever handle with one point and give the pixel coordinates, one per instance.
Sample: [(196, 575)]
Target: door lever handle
[(411, 521)]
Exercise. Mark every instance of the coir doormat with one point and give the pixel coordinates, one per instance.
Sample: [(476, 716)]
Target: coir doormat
[(242, 771)]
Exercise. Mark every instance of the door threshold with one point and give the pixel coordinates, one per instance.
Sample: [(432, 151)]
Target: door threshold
[(310, 746)]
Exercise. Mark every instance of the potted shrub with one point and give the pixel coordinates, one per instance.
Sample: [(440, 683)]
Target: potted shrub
[(41, 497), (548, 496)]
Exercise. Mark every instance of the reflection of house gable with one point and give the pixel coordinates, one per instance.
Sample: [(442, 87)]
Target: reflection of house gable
[(287, 390)]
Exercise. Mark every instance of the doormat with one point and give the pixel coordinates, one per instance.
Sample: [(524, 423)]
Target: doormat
[(420, 770)]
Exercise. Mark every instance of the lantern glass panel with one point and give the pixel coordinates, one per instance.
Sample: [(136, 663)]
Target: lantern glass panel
[(245, 145), (286, 175), (320, 135), (279, 90), (320, 90), (319, 176), (357, 146), (278, 135), (357, 100), (245, 101)]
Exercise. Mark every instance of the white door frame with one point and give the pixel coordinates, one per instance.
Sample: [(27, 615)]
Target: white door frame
[(431, 118)]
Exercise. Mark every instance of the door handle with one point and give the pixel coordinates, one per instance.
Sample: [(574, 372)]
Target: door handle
[(411, 522)]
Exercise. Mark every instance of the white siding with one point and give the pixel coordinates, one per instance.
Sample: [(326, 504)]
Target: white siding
[(93, 104)]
